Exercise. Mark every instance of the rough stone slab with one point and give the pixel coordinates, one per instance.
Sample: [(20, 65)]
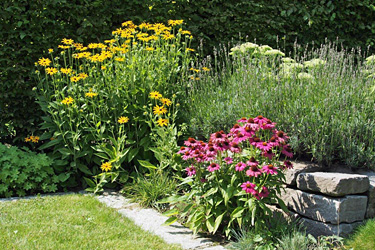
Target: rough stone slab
[(150, 220), (370, 213), (317, 228), (299, 167), (348, 209), (333, 184)]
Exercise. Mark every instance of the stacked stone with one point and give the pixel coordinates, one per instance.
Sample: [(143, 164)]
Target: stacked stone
[(329, 203)]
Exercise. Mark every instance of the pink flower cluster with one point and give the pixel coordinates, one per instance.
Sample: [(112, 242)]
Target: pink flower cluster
[(243, 134)]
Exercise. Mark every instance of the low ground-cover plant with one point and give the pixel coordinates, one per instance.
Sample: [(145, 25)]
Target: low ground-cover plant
[(363, 237), (322, 97), (25, 172), (95, 98), (232, 177)]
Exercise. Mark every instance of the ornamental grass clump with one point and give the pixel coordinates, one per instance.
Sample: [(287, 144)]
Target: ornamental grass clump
[(95, 98), (233, 176)]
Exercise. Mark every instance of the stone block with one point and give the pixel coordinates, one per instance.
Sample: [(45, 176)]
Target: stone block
[(347, 209), (370, 213), (333, 184), (317, 228), (299, 167)]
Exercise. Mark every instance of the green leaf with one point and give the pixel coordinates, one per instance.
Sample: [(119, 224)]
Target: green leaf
[(211, 191), (237, 212), (170, 221), (282, 205), (84, 169), (218, 222), (89, 182), (171, 199), (171, 212), (63, 177), (50, 144), (210, 224), (65, 151), (147, 164), (132, 153)]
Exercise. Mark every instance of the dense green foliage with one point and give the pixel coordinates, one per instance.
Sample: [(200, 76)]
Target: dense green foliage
[(28, 28), (363, 237), (323, 100), (25, 172)]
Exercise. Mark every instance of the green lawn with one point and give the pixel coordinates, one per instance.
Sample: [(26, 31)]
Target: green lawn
[(70, 222), (364, 237)]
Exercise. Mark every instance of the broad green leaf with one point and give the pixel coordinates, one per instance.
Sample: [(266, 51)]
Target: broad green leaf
[(170, 221), (89, 182), (218, 222), (132, 153), (282, 205), (50, 144), (237, 212), (210, 223), (171, 212), (84, 169), (147, 164)]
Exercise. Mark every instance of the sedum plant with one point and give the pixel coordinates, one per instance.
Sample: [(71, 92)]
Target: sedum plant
[(95, 97), (233, 177)]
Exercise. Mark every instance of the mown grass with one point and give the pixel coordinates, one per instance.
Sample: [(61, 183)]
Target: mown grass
[(363, 238), (70, 222)]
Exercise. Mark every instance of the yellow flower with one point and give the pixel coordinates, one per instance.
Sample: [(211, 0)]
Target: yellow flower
[(123, 119), (106, 166), (83, 75), (205, 69), (34, 139), (63, 46), (163, 122), (195, 70), (67, 41), (91, 94), (155, 95), (51, 71), (103, 67), (120, 59), (166, 101), (66, 71), (110, 41), (168, 36), (159, 110), (75, 78), (50, 50), (149, 49), (189, 49), (184, 32), (27, 139), (44, 62), (175, 22), (67, 100)]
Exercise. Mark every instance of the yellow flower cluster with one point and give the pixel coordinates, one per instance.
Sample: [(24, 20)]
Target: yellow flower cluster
[(44, 62), (160, 110), (51, 71), (123, 119), (34, 139), (91, 94), (68, 100)]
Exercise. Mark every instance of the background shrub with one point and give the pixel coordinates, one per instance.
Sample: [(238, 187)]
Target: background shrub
[(29, 28), (25, 172), (323, 100)]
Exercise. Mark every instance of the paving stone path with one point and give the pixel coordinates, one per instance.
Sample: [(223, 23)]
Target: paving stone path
[(152, 221)]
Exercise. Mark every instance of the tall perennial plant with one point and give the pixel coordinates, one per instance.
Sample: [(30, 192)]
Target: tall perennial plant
[(95, 97), (233, 176)]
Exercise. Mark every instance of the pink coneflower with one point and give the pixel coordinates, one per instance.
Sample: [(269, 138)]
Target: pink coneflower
[(187, 155), (243, 119), (269, 169), (260, 120), (253, 171), (252, 162), (240, 166), (235, 128), (200, 158), (218, 137), (268, 125), (252, 124), (191, 142), (190, 170), (287, 151), (228, 160), (247, 131), (249, 187), (264, 193), (264, 146), (234, 147), (213, 166), (239, 137), (254, 140), (281, 136), (183, 150), (288, 164), (272, 141), (268, 154)]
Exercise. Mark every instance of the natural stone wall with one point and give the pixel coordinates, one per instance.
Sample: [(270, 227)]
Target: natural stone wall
[(329, 203)]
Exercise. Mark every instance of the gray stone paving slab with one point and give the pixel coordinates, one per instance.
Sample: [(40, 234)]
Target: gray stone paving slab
[(152, 221)]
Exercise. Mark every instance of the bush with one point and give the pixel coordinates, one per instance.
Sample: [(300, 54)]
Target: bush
[(322, 98), (25, 172), (233, 177), (97, 99)]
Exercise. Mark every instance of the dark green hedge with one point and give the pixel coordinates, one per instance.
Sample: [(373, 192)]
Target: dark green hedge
[(29, 28)]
